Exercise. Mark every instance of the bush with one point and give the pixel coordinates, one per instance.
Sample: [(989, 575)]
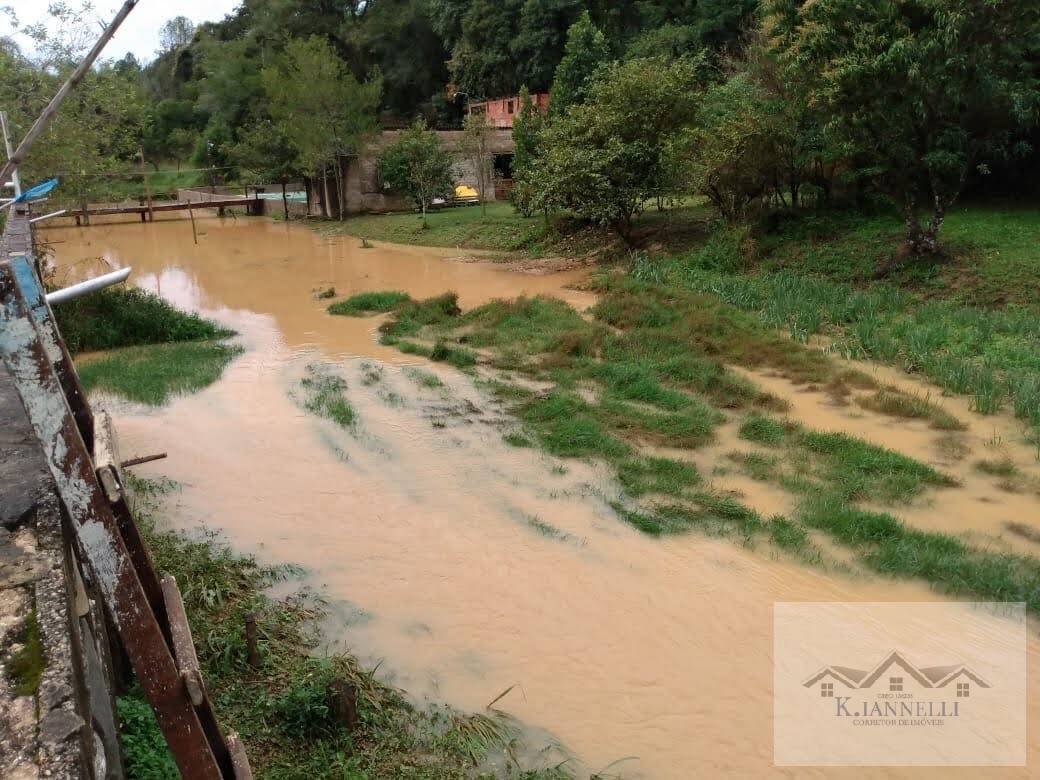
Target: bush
[(144, 748), (124, 317), (730, 249)]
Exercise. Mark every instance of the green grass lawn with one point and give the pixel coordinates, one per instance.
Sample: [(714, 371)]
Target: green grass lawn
[(162, 183), (993, 253), (503, 229)]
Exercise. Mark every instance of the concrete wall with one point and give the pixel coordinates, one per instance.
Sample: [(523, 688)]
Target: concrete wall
[(365, 191), (67, 727)]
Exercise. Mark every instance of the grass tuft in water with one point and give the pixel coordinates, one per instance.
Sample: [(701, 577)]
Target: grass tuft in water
[(125, 317), (424, 378), (659, 476), (326, 397), (367, 303), (897, 404)]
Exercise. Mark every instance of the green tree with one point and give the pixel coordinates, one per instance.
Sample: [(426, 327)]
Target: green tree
[(605, 158), (266, 155), (540, 38), (417, 165), (585, 53), (919, 91), (176, 34), (726, 151), (476, 147), (527, 126), (321, 108)]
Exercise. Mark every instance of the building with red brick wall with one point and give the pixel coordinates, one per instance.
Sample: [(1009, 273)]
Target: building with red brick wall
[(500, 112)]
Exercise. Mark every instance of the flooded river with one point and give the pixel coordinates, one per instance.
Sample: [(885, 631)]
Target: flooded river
[(427, 532)]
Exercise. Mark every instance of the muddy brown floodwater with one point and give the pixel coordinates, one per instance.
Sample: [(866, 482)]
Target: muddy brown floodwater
[(464, 565)]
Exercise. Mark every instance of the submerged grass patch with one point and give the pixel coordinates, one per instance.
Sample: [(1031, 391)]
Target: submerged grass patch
[(890, 547), (325, 396), (843, 464), (154, 374), (649, 368), (897, 404), (662, 476), (366, 303), (282, 710)]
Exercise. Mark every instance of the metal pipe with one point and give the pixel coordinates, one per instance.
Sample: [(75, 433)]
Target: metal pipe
[(42, 217), (89, 286)]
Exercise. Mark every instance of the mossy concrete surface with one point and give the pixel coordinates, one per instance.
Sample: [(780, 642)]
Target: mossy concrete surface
[(51, 670)]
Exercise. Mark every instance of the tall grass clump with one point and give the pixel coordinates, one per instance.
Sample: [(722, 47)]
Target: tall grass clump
[(991, 355), (126, 316)]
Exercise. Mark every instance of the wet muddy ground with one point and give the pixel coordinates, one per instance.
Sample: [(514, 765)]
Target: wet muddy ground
[(468, 566)]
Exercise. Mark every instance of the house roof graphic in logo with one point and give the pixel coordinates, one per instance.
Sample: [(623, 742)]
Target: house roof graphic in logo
[(926, 676)]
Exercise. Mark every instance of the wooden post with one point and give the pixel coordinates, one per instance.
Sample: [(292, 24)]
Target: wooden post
[(252, 651), (194, 233), (147, 188), (344, 704)]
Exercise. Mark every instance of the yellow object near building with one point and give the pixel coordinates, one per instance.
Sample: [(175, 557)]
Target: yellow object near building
[(462, 191)]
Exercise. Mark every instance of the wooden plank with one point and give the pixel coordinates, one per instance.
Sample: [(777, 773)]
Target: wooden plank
[(97, 537), (106, 449), (183, 644), (238, 758)]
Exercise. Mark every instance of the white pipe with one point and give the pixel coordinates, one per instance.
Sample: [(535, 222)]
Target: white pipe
[(16, 182), (89, 286), (42, 217)]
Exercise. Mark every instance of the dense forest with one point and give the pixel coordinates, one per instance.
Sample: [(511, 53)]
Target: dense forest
[(749, 103)]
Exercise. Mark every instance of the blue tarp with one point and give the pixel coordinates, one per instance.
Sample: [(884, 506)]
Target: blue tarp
[(37, 192)]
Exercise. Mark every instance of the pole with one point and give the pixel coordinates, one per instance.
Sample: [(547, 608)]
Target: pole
[(89, 286), (49, 112), (7, 145), (147, 187), (194, 233)]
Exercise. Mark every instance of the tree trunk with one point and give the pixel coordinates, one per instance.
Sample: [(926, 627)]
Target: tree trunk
[(285, 202), (326, 212), (921, 240), (340, 188)]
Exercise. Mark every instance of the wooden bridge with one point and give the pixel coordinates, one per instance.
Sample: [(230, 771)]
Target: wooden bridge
[(254, 206)]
